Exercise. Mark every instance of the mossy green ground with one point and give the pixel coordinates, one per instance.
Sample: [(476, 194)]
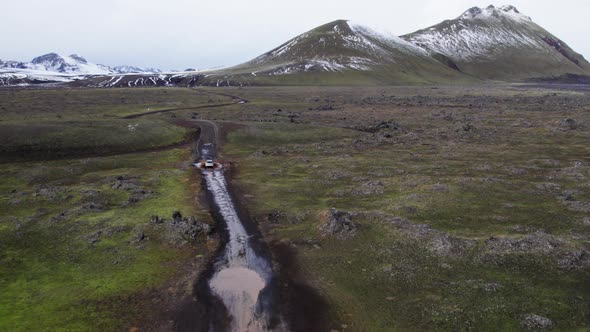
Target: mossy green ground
[(69, 104), (26, 140), (492, 184), (52, 277), (504, 176), (69, 255), (38, 124)]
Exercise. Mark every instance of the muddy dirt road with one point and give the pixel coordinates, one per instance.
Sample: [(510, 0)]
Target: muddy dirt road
[(238, 290), (241, 275)]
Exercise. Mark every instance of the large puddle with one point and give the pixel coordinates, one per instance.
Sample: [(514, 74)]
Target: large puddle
[(240, 274)]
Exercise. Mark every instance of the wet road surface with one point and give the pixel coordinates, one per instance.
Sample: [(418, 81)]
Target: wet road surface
[(243, 276)]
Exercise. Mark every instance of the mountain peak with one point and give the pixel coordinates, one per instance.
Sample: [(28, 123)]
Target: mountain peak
[(47, 57), (499, 43), (78, 58), (57, 59), (339, 45), (338, 22), (491, 11), (509, 8)]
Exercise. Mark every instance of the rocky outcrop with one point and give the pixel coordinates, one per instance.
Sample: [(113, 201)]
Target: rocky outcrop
[(539, 246), (369, 188), (538, 242), (122, 182), (574, 260), (534, 322), (179, 230), (437, 242), (568, 124), (137, 193), (50, 193), (565, 256), (338, 225)]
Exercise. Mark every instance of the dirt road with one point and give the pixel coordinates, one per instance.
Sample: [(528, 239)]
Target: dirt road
[(241, 276), (235, 100), (206, 145)]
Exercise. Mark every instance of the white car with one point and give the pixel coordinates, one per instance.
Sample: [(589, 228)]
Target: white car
[(209, 163)]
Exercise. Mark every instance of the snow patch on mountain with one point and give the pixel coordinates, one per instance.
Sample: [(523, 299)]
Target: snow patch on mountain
[(287, 46), (480, 33), (337, 64), (375, 38), (491, 12), (134, 70)]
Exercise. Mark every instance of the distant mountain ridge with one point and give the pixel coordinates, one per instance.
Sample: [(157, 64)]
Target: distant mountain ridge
[(52, 67), (482, 44), (72, 64), (498, 44)]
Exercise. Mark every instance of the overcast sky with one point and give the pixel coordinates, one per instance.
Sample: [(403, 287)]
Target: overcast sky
[(177, 34)]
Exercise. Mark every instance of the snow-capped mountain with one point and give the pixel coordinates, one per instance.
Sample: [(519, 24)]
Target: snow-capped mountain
[(337, 46), (482, 44), (53, 67), (499, 43), (71, 64), (348, 48), (492, 43)]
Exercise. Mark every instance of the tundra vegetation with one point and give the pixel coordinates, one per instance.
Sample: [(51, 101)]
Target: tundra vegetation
[(78, 189), (407, 208)]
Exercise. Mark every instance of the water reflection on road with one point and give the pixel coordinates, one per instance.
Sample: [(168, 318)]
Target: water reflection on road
[(240, 274)]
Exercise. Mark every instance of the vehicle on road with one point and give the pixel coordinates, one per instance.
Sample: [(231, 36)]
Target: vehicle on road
[(208, 164)]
